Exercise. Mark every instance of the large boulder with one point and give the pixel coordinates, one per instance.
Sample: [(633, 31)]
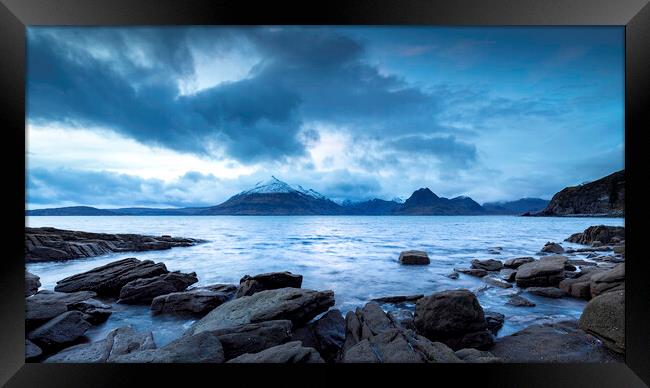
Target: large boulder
[(289, 353), (198, 301), (252, 337), (545, 272), (60, 331), (580, 286), (143, 291), (488, 265), (414, 258), (32, 282), (603, 234), (551, 247), (109, 279), (516, 262), (200, 348), (365, 322), (555, 342), (604, 317), (607, 281), (326, 335), (46, 305), (118, 342), (248, 285), (295, 304), (453, 317)]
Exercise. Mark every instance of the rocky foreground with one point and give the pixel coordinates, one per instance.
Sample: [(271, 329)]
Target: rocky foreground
[(270, 318), (50, 244)]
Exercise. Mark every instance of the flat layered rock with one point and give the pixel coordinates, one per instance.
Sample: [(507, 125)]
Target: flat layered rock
[(198, 301), (32, 283), (248, 285), (604, 317), (253, 337), (51, 244), (398, 299), (108, 280), (414, 258), (580, 286), (488, 265), (200, 348), (62, 330), (607, 281), (46, 305), (143, 291), (516, 262), (95, 311), (548, 292), (557, 342), (545, 272), (297, 305), (289, 353)]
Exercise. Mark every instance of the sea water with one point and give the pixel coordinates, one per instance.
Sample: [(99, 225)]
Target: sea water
[(355, 256)]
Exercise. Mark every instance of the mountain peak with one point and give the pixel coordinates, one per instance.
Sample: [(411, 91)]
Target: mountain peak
[(275, 185)]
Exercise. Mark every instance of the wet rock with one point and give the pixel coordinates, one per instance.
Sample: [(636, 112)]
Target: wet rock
[(551, 247), (519, 301), (488, 265), (95, 311), (198, 301), (398, 299), (364, 323), (326, 335), (604, 317), (295, 304), (253, 337), (495, 250), (454, 318), (289, 353), (477, 356), (569, 267), (50, 244), (143, 291), (403, 319), (580, 286), (32, 351), (200, 348), (545, 272), (508, 274), (494, 321), (602, 233), (452, 275), (46, 305), (548, 292), (109, 279), (60, 331), (248, 285), (496, 282), (472, 271), (120, 341), (414, 258), (556, 342), (32, 283), (607, 281), (517, 262)]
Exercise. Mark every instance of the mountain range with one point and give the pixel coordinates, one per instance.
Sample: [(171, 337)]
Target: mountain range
[(275, 197)]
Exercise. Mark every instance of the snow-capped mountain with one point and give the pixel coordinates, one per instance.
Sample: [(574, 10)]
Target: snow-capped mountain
[(274, 185)]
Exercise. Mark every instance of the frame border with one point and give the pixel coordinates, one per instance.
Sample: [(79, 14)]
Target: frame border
[(16, 15)]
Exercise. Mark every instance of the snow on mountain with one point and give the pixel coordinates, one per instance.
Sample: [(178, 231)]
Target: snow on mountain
[(274, 185)]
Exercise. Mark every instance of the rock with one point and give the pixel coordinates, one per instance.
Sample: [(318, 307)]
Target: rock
[(200, 348), (495, 250), (619, 249), (253, 337), (96, 312), (604, 234), (472, 271), (364, 323), (477, 356), (143, 291), (32, 352), (508, 274), (414, 258), (248, 285), (454, 318), (604, 317), (120, 341), (569, 267), (50, 244), (496, 282), (548, 292), (545, 272), (517, 262), (557, 342), (398, 299), (452, 275), (581, 263), (580, 286), (295, 304), (62, 330), (228, 289), (109, 279), (607, 281), (329, 331), (519, 301), (198, 301), (289, 353), (46, 305), (494, 321), (551, 247), (488, 265), (32, 282)]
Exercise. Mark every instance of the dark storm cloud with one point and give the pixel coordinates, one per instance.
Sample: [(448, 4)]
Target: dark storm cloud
[(444, 148)]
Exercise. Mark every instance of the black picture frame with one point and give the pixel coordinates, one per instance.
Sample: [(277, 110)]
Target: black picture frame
[(15, 15)]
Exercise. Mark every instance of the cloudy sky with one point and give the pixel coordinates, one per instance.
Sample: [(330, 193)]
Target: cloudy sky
[(172, 116)]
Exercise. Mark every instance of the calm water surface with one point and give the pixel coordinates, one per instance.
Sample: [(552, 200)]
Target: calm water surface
[(355, 256)]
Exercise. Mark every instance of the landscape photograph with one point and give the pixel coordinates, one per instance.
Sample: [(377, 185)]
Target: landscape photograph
[(325, 194)]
